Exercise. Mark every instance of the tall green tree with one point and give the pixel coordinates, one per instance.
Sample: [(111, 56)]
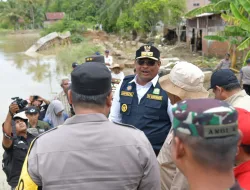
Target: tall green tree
[(11, 11)]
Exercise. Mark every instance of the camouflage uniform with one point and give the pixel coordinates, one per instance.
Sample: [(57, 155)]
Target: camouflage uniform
[(206, 118)]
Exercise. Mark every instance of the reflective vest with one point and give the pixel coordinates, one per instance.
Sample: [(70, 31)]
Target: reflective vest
[(150, 115)]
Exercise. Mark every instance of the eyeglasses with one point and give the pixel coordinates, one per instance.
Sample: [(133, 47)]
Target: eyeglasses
[(149, 62)]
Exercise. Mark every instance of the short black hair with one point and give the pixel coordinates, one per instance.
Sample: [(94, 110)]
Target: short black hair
[(89, 101), (231, 87), (212, 152)]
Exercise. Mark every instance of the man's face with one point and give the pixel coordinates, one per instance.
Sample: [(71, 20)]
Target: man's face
[(107, 54), (116, 70), (227, 57), (33, 117), (20, 125), (65, 85), (147, 69)]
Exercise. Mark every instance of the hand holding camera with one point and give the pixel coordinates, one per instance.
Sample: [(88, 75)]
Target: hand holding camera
[(18, 103), (14, 108)]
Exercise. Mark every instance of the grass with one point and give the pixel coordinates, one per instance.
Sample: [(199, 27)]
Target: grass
[(75, 53), (5, 31)]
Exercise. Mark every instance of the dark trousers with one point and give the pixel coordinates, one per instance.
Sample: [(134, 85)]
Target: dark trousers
[(246, 87)]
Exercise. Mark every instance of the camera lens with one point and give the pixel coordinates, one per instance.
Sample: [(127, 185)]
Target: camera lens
[(23, 104)]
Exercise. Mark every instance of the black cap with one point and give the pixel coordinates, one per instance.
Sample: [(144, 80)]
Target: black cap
[(91, 78), (74, 65), (148, 51), (32, 110), (223, 77), (95, 58)]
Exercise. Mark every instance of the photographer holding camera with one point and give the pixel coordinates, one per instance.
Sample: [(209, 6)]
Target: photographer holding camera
[(15, 142), (40, 103)]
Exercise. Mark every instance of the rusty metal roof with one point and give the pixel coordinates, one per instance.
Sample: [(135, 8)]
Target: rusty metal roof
[(55, 16)]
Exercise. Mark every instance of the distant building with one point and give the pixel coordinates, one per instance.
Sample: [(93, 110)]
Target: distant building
[(203, 25), (53, 17), (192, 4)]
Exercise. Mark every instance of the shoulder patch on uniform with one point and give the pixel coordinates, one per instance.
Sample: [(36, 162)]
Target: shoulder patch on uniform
[(125, 125)]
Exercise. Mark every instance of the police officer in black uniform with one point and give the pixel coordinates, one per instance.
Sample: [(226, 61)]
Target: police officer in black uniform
[(15, 143), (140, 101)]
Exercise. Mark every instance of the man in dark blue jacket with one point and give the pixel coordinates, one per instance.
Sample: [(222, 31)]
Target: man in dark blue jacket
[(140, 101)]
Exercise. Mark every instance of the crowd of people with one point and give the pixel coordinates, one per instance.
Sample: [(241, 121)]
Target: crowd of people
[(152, 133)]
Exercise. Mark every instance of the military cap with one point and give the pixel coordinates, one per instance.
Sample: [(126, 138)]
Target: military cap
[(91, 78), (148, 51), (206, 118), (95, 58)]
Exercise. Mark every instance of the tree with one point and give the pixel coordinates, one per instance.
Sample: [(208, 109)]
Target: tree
[(12, 12)]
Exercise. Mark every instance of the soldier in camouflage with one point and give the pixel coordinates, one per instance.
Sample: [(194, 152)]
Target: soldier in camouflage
[(205, 143)]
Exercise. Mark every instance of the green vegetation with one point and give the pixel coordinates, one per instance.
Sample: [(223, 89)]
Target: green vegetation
[(114, 15), (75, 53), (236, 14)]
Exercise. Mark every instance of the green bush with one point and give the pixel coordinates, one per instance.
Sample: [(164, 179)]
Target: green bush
[(76, 38), (64, 25), (75, 53), (5, 25)]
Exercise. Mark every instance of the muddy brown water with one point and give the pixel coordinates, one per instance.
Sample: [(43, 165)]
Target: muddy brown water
[(22, 76)]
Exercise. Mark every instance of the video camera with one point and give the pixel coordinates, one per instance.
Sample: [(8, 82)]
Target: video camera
[(20, 102)]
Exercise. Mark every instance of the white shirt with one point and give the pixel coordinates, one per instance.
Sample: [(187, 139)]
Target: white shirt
[(115, 114), (109, 60), (119, 76)]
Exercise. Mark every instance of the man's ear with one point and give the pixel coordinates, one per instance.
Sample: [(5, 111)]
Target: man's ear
[(109, 99), (159, 63), (70, 96), (239, 142), (219, 89), (179, 148)]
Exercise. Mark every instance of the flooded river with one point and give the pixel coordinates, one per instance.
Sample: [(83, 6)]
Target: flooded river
[(22, 76)]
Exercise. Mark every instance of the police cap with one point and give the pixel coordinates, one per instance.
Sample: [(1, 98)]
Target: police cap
[(95, 58), (91, 78)]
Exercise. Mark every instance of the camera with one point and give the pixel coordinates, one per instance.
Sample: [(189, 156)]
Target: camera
[(20, 102)]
